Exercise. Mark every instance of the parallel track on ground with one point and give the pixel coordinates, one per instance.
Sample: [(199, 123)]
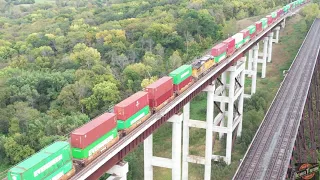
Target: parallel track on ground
[(269, 154)]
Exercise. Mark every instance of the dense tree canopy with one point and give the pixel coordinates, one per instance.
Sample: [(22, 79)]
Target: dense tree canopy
[(65, 61)]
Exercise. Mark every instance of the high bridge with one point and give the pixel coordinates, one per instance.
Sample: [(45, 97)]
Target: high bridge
[(281, 134), (224, 96)]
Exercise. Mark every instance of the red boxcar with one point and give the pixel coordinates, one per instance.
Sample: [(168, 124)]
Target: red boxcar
[(131, 105), (258, 27), (219, 49), (153, 103), (159, 87), (178, 87), (93, 130), (270, 19), (231, 45)]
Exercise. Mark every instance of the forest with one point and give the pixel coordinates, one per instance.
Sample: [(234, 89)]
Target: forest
[(64, 62)]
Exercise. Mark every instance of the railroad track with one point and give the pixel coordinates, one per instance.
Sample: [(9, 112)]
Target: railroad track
[(267, 156)]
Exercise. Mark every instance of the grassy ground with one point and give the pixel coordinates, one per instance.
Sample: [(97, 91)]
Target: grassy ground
[(283, 54)]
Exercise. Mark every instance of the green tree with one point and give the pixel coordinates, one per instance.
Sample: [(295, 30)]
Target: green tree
[(15, 152), (134, 74), (85, 56), (104, 94)]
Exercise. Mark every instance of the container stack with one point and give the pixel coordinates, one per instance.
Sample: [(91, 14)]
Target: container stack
[(219, 51), (132, 110), (246, 36), (181, 78), (239, 40), (258, 27), (231, 46), (94, 137), (270, 19), (264, 23), (52, 162), (160, 92), (274, 16), (252, 31)]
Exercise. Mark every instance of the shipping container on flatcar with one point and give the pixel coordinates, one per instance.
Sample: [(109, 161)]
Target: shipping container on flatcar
[(42, 164), (131, 105), (239, 40), (179, 88), (94, 137), (93, 130), (160, 93), (182, 78), (231, 46), (131, 112), (63, 173), (264, 23), (252, 31), (181, 73), (246, 36), (270, 19)]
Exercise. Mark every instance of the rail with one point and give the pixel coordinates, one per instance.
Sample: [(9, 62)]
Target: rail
[(269, 153)]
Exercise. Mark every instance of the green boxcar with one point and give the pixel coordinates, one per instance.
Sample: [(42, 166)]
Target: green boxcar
[(252, 29), (78, 153), (220, 57), (264, 23), (60, 172), (43, 163), (181, 74), (274, 15), (134, 118)]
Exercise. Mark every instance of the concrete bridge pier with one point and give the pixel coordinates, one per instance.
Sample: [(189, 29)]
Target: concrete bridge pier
[(234, 99), (250, 62), (270, 35), (151, 161), (208, 125), (277, 30), (283, 24), (255, 69), (119, 171), (262, 58)]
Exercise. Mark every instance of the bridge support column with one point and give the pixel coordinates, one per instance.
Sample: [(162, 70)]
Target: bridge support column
[(185, 142), (255, 69), (250, 61), (119, 171), (276, 40), (270, 35), (283, 24), (235, 106), (175, 162), (223, 104), (209, 124), (262, 59)]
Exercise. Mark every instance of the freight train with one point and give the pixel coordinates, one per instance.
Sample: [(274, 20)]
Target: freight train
[(61, 159)]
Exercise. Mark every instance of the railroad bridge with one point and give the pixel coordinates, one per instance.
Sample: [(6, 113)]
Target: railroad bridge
[(288, 129), (286, 135)]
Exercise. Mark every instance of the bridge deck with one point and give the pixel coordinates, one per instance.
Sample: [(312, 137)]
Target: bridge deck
[(270, 151)]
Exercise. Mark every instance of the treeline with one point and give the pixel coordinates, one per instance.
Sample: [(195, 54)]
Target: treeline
[(67, 61)]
